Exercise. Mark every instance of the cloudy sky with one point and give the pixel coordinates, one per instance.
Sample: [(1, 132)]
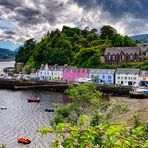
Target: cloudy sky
[(24, 19)]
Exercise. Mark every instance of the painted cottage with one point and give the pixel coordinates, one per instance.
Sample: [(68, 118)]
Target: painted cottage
[(127, 76), (73, 74), (105, 76)]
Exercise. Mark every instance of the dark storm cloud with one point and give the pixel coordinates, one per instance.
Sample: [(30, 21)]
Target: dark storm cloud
[(27, 16), (119, 8), (27, 12), (9, 32), (10, 4)]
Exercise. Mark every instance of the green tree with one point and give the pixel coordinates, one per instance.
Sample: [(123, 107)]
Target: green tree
[(107, 32), (25, 51)]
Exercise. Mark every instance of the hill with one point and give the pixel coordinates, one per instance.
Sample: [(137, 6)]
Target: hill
[(143, 38), (6, 54), (17, 49), (72, 46)]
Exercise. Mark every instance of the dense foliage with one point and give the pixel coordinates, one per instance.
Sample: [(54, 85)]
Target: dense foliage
[(73, 46), (25, 51), (86, 123)]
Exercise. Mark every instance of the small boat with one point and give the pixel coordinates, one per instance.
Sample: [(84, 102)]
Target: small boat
[(23, 140), (3, 107), (49, 110), (139, 93), (33, 99)]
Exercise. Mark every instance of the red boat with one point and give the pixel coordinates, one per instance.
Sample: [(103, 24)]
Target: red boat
[(32, 99), (23, 140)]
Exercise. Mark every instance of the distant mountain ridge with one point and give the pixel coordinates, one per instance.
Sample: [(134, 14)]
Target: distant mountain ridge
[(17, 49), (143, 38), (7, 54)]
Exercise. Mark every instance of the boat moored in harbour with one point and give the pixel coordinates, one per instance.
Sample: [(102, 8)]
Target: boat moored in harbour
[(139, 93), (3, 107), (23, 140), (33, 99), (49, 110)]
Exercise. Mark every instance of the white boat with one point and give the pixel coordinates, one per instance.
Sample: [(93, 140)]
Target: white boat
[(139, 93), (3, 107)]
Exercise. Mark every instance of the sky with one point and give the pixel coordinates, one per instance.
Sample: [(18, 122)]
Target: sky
[(24, 19)]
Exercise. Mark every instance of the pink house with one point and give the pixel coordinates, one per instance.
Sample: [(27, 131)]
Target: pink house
[(72, 74)]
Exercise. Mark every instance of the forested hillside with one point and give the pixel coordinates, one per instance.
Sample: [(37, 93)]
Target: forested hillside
[(73, 46)]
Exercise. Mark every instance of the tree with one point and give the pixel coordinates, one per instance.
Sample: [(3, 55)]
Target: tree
[(107, 32), (25, 51)]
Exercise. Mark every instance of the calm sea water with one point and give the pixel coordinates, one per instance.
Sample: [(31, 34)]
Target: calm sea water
[(23, 119), (6, 64)]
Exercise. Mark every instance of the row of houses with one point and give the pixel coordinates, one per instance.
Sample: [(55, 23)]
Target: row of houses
[(120, 76)]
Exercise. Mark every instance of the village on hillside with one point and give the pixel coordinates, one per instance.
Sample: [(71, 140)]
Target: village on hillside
[(112, 56)]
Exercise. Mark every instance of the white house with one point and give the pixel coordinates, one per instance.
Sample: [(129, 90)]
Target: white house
[(52, 72), (106, 76), (127, 76), (44, 73)]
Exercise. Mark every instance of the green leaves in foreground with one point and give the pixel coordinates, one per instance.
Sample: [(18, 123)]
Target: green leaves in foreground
[(101, 136), (85, 122)]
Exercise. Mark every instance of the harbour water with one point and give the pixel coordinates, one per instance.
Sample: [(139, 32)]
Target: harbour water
[(23, 119), (6, 64)]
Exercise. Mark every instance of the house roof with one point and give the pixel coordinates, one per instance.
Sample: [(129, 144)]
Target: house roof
[(144, 73), (118, 50), (127, 71), (52, 67), (143, 47), (102, 71)]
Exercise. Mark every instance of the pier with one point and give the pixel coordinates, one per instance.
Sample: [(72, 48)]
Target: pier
[(59, 86)]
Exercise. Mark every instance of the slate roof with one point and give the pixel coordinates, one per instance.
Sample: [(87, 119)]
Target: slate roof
[(102, 71), (144, 73), (143, 46), (127, 71), (118, 50)]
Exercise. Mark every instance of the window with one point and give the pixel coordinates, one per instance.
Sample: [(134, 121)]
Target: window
[(109, 57), (122, 57), (103, 77), (113, 57), (109, 77), (118, 77), (125, 77), (134, 78)]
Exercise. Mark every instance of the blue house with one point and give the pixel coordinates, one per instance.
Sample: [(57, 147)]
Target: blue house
[(102, 76)]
